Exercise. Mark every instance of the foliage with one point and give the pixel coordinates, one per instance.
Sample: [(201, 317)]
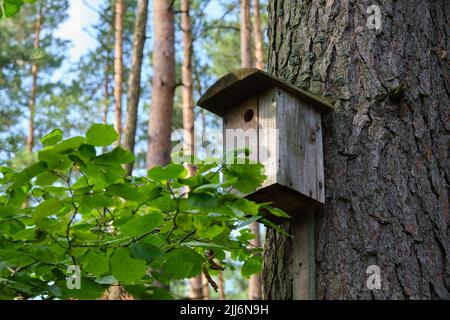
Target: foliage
[(77, 207), (9, 8)]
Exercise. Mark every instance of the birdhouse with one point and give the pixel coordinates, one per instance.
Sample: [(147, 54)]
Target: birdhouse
[(281, 125)]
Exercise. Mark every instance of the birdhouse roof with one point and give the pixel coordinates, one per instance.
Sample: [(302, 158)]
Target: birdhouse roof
[(236, 87)]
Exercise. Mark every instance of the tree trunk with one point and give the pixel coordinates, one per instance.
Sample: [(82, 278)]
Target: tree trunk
[(134, 82), (34, 79), (254, 283), (118, 66), (221, 286), (385, 145), (106, 91), (259, 49), (160, 122), (246, 48), (206, 292)]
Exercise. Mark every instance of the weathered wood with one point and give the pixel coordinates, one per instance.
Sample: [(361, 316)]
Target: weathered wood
[(238, 86), (303, 263), (300, 144)]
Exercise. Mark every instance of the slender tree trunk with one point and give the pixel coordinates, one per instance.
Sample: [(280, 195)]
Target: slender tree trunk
[(221, 286), (118, 66), (206, 292), (246, 48), (160, 122), (196, 284), (386, 147), (254, 283), (134, 82), (258, 36), (106, 92), (34, 79)]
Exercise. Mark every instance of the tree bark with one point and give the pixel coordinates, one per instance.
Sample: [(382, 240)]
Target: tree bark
[(258, 36), (160, 122), (34, 79), (221, 286), (106, 92), (385, 146), (246, 48), (118, 66), (134, 82)]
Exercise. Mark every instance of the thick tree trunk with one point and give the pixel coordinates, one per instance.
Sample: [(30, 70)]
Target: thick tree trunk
[(385, 146), (118, 66), (160, 122), (258, 36), (34, 80), (134, 82)]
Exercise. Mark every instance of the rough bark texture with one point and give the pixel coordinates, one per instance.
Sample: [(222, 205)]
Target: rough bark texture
[(118, 66), (163, 84), (385, 146), (34, 80), (134, 82), (258, 36)]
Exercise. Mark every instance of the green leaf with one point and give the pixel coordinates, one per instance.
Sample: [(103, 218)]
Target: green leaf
[(47, 208), (101, 135), (6, 212), (252, 266), (246, 206), (125, 268), (145, 251), (199, 244), (95, 263), (22, 177), (277, 212), (249, 176), (201, 201), (142, 224), (182, 263), (89, 289), (171, 171), (125, 191), (117, 156), (249, 221), (46, 179), (52, 138)]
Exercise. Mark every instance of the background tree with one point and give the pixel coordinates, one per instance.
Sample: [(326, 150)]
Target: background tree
[(385, 146), (118, 65), (134, 81), (163, 84)]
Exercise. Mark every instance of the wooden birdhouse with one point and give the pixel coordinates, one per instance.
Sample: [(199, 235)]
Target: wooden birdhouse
[(281, 125)]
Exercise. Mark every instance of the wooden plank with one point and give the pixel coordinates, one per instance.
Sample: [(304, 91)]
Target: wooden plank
[(303, 261), (268, 135)]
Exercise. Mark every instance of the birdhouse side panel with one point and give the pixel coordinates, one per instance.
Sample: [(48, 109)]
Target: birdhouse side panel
[(300, 146)]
